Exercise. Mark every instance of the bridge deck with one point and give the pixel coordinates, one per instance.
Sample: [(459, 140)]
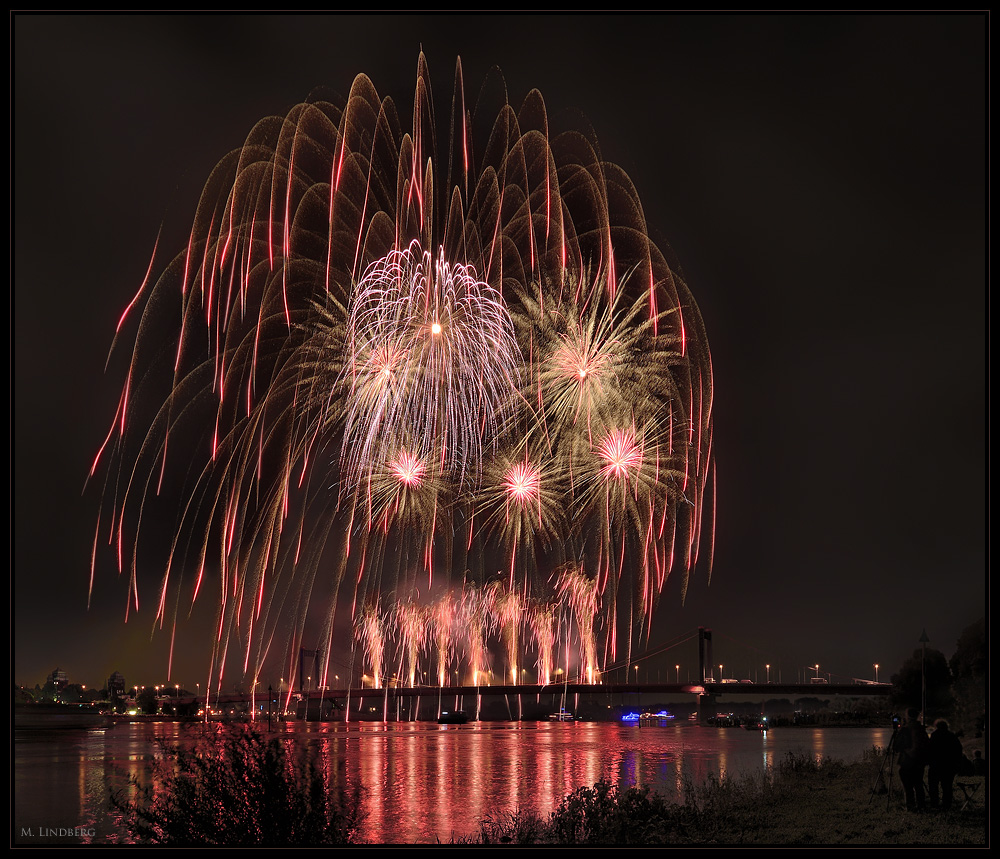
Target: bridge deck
[(759, 690)]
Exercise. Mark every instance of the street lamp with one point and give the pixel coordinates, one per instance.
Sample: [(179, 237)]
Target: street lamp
[(923, 678), (720, 672), (817, 671), (677, 669), (876, 672), (767, 668)]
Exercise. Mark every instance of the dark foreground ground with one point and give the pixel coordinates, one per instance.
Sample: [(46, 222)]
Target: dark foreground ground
[(800, 803)]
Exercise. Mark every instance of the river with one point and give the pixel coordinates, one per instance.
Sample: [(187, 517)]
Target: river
[(423, 782)]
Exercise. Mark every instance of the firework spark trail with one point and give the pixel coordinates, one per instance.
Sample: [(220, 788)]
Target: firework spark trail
[(522, 501), (357, 353), (410, 623), (543, 619), (442, 622), (580, 593), (477, 623), (370, 631), (508, 607)]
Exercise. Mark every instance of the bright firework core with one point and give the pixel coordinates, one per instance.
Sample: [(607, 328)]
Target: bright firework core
[(451, 393), (620, 454), (460, 397)]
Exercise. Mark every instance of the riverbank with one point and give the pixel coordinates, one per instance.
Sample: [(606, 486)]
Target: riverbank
[(799, 802), (433, 784)]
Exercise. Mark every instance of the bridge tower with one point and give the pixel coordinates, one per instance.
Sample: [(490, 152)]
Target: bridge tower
[(706, 702), (704, 654), (308, 669)]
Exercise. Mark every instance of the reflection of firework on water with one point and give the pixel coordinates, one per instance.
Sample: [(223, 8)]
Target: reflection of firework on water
[(393, 368)]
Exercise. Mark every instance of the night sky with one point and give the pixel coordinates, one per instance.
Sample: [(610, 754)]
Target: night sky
[(820, 178)]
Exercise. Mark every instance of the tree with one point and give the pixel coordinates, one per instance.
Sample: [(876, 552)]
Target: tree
[(968, 668), (930, 668), (146, 701)]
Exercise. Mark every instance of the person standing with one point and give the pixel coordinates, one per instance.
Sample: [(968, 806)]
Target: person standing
[(911, 744), (943, 759)]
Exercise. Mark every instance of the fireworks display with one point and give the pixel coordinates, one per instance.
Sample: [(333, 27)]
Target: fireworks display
[(445, 381)]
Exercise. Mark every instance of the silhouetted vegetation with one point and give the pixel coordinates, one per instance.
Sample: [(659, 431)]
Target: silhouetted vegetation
[(799, 802), (968, 669), (951, 688), (930, 668), (234, 788)]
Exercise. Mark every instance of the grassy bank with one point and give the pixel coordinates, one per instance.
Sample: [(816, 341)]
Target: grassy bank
[(799, 802)]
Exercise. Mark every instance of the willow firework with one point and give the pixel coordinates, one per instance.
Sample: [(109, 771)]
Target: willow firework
[(393, 373)]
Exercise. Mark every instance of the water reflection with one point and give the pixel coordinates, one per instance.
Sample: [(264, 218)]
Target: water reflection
[(423, 782)]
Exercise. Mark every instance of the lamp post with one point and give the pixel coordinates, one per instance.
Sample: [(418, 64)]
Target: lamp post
[(817, 671), (767, 668), (720, 672), (677, 670), (923, 678), (876, 672)]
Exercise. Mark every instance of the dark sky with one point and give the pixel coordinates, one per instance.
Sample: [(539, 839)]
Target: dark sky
[(821, 178)]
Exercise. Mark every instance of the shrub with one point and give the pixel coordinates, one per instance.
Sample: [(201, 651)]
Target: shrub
[(510, 827), (237, 788), (604, 814)]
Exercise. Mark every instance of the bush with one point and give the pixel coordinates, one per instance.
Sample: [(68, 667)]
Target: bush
[(235, 788), (510, 827), (604, 814)]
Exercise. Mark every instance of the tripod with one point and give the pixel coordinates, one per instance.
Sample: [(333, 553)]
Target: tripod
[(890, 752)]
